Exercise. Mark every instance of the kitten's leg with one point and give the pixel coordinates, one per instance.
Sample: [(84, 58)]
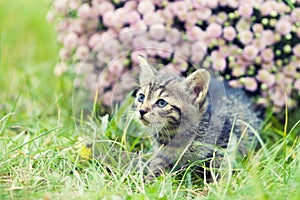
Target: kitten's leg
[(169, 154)]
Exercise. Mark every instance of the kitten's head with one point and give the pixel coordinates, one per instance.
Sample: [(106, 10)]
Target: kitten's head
[(167, 101)]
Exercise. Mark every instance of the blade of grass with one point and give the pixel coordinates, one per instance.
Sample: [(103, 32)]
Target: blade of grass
[(33, 139), (284, 139)]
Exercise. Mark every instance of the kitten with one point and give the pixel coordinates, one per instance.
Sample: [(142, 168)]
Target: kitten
[(191, 118)]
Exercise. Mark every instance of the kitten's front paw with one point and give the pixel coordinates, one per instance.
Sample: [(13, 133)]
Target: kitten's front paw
[(156, 169)]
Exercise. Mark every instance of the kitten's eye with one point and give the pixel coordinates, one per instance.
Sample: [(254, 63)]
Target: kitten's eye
[(141, 98), (161, 103)]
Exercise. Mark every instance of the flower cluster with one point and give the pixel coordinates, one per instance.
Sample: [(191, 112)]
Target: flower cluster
[(254, 44)]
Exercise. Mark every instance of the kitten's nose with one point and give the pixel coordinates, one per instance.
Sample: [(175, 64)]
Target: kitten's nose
[(142, 112)]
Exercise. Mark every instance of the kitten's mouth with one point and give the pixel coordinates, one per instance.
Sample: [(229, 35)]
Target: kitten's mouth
[(145, 122)]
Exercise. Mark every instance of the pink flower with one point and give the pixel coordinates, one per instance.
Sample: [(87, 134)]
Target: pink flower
[(225, 51), (170, 69), (151, 18), (295, 15), (62, 26), (290, 70), (118, 92), (164, 50), (245, 36), (243, 24), (168, 14), (199, 47), (109, 18), (128, 81), (102, 57), (250, 52), (245, 10), (74, 4), (214, 30), (151, 47), (257, 28), (70, 40), (83, 40), (133, 17), (64, 54), (140, 27), (297, 84), (82, 52), (61, 6), (173, 36), (92, 25), (84, 11), (282, 81), (121, 14), (238, 71), (215, 55), (198, 50), (221, 18), (107, 98), (105, 7), (105, 80), (278, 98), (259, 43), (267, 55), (76, 26), (212, 4), (195, 33), (111, 46), (283, 26), (250, 84), (296, 50), (130, 5), (112, 19), (219, 64), (145, 7), (229, 33), (281, 7), (183, 50), (204, 13), (95, 40), (232, 3), (268, 65), (266, 77), (140, 41), (192, 17), (157, 31), (266, 8), (267, 37), (198, 4), (116, 68), (126, 34), (180, 8)]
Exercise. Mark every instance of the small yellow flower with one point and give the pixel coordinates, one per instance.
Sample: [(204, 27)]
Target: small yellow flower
[(84, 147)]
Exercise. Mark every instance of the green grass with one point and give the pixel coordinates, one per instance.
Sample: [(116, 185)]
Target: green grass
[(38, 134)]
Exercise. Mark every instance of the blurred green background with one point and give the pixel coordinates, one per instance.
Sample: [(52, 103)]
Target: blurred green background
[(28, 54)]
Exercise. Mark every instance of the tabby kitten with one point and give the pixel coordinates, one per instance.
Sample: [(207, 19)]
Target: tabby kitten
[(187, 120)]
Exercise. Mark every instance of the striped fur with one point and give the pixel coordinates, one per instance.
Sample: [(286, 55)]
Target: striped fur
[(184, 122)]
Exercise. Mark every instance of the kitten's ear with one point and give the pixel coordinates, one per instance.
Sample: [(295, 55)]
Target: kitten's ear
[(147, 71), (198, 82)]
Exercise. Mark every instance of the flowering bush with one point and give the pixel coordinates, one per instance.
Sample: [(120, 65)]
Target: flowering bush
[(254, 44)]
